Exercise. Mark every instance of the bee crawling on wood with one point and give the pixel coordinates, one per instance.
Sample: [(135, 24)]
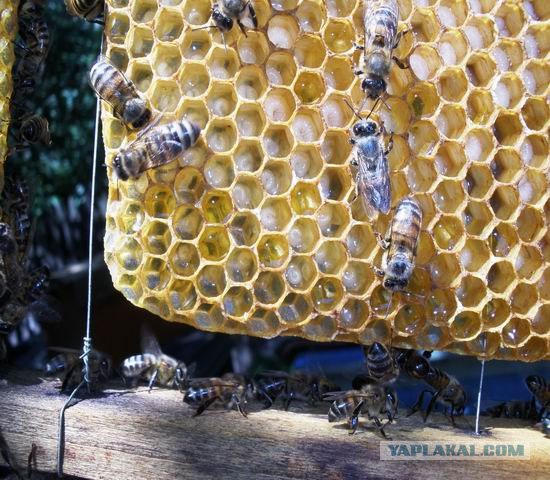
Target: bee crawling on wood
[(398, 263), (368, 397), (89, 10), (230, 389), (154, 366), (381, 20), (300, 386), (447, 391), (112, 86), (70, 367), (381, 364), (370, 159), (155, 146)]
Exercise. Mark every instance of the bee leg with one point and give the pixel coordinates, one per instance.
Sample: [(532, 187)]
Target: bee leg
[(242, 27), (403, 65), (240, 407), (31, 460), (383, 242), (380, 426), (204, 405), (431, 404), (353, 162), (358, 72), (153, 380), (354, 419), (253, 16), (289, 399), (418, 405), (389, 148), (358, 47)]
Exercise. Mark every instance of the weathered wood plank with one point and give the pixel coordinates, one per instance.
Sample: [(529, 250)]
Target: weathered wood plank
[(140, 435)]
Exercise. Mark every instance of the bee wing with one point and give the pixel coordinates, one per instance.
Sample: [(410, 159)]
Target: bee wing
[(331, 396), (373, 182), (149, 343)]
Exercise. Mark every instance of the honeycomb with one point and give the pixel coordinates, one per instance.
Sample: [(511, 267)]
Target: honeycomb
[(8, 32), (257, 230)]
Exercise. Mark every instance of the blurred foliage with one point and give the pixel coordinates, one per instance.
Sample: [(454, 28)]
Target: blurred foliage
[(60, 175)]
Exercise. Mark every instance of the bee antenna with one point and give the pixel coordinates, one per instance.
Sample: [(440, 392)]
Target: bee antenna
[(385, 103), (353, 110), (386, 316), (224, 44), (203, 28), (373, 107)]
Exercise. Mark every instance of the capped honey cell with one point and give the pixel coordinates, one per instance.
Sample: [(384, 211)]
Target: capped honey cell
[(257, 229)]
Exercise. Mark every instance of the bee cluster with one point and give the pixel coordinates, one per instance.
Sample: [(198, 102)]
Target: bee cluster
[(31, 47), (372, 396), (21, 286)]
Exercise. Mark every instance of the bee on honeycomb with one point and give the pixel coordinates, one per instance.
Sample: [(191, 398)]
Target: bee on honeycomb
[(255, 229)]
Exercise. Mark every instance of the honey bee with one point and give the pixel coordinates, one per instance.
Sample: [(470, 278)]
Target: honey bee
[(31, 9), (294, 386), (447, 391), (370, 159), (398, 264), (89, 10), (8, 246), (269, 389), (540, 389), (3, 348), (519, 409), (69, 366), (381, 20), (231, 390), (33, 129), (369, 398), (156, 146), (36, 36), (154, 366), (226, 11), (546, 426), (380, 363), (112, 86)]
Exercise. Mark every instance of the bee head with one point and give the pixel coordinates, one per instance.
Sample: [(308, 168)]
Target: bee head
[(364, 128), (533, 383), (222, 21), (104, 367), (136, 114), (398, 273), (374, 87), (181, 374)]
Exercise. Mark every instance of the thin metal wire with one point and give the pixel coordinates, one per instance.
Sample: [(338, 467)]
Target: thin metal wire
[(479, 396), (87, 340)]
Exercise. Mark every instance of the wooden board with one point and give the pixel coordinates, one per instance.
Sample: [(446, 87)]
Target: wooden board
[(140, 435)]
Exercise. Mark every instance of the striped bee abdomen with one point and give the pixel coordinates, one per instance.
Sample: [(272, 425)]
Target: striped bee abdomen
[(341, 409), (137, 364), (406, 226)]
